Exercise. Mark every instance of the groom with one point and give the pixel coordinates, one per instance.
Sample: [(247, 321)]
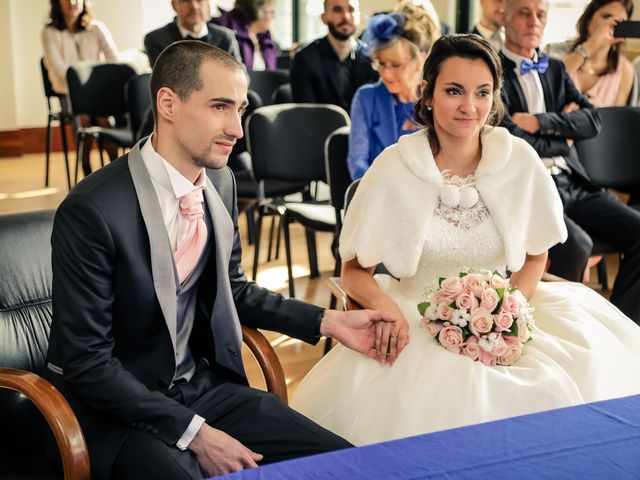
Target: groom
[(149, 294)]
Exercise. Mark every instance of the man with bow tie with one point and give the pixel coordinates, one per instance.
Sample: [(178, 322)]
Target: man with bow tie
[(544, 107), (191, 23)]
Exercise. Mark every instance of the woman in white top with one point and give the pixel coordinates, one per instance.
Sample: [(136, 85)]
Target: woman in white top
[(72, 36)]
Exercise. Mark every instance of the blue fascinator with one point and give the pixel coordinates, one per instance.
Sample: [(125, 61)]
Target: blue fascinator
[(383, 30)]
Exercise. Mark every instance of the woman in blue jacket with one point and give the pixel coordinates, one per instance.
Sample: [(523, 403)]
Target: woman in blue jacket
[(381, 112)]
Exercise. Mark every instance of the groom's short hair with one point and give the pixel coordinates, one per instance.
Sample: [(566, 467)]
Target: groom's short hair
[(178, 68)]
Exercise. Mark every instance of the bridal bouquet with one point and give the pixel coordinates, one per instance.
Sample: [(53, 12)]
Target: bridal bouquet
[(479, 315)]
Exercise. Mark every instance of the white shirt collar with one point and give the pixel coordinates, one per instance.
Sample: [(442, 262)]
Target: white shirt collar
[(166, 175), (204, 31)]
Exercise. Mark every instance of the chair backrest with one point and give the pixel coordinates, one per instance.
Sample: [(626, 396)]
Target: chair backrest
[(611, 157), (25, 321), (46, 82), (98, 89), (336, 150), (282, 94), (138, 102), (351, 191), (265, 82), (286, 142)]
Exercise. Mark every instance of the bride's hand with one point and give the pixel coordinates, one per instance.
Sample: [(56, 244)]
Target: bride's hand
[(355, 329), (391, 338)]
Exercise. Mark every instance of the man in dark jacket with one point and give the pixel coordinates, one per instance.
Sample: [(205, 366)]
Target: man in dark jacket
[(191, 23), (332, 68)]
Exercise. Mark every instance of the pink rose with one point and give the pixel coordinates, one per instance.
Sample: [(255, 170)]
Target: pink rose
[(513, 353), (498, 282), (500, 347), (444, 311), (523, 330), (451, 338), (452, 287), (503, 320), (487, 359), (510, 303), (470, 348), (480, 322), (466, 301), (433, 327), (441, 297), (490, 299), (475, 284)]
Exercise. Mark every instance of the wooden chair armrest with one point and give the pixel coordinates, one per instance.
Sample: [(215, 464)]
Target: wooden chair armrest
[(59, 416), (267, 360), (549, 277), (344, 300)]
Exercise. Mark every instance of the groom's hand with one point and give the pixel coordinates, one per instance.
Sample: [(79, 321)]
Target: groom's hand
[(356, 329)]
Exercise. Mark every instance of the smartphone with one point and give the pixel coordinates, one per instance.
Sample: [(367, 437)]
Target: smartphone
[(627, 29)]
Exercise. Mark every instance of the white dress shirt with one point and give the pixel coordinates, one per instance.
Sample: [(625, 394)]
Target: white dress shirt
[(170, 185), (204, 31)]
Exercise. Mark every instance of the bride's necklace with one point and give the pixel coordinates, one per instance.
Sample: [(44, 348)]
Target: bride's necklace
[(458, 192)]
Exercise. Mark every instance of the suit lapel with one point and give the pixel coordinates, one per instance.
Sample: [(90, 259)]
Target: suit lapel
[(548, 94), (225, 323), (162, 268), (512, 78)]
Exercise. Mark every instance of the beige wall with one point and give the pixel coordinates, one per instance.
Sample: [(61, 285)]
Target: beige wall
[(8, 120)]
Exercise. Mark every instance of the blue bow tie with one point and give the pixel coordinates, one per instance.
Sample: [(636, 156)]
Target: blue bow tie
[(540, 66)]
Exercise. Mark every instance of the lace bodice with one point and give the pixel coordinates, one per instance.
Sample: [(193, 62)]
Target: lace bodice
[(457, 238)]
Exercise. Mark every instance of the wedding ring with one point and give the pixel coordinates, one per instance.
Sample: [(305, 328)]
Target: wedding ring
[(394, 335)]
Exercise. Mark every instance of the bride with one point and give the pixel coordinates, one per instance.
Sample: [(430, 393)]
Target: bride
[(583, 348)]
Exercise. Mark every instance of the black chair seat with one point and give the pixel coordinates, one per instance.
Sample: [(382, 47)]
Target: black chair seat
[(320, 217), (121, 137)]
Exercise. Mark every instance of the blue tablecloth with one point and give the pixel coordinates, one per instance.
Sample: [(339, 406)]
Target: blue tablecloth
[(594, 441)]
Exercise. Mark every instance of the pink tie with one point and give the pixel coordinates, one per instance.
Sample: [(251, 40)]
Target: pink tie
[(192, 235)]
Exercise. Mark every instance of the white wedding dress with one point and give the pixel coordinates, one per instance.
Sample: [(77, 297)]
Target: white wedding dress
[(583, 350)]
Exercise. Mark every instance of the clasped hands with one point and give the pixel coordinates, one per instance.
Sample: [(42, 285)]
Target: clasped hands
[(377, 334)]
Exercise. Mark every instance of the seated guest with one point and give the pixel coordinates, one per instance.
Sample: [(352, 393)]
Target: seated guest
[(251, 21), (381, 112), (593, 60), (190, 23), (544, 107), (332, 68), (149, 296), (489, 26), (72, 36)]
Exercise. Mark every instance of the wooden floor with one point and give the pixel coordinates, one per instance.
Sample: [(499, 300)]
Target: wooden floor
[(22, 189)]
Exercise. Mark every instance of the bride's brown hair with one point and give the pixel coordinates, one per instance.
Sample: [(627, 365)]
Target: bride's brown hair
[(468, 46)]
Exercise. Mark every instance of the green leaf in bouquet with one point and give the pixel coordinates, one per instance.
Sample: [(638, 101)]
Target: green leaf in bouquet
[(513, 332), (466, 333), (422, 307), (500, 292), (440, 280)]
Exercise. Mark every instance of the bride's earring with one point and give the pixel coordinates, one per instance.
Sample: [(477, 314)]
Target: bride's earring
[(429, 107)]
